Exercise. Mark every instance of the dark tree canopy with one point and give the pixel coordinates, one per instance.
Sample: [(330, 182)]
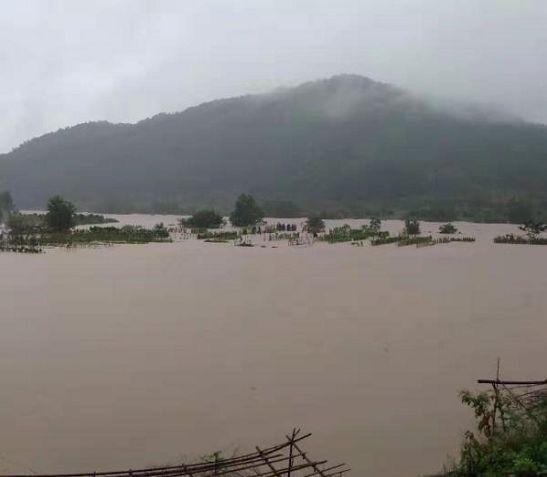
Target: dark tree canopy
[(315, 225), (204, 219), (447, 229), (374, 225), (246, 212), (412, 226), (60, 214)]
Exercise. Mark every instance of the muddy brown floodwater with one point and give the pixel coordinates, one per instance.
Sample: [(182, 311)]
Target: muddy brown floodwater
[(139, 355)]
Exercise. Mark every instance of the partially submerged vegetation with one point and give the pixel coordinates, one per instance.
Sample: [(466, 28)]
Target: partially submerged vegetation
[(448, 229), (520, 240), (403, 240), (384, 240), (220, 236), (346, 234), (246, 212), (412, 226), (315, 225), (511, 435), (532, 230), (410, 235), (30, 233), (35, 221), (92, 219), (203, 219), (130, 234)]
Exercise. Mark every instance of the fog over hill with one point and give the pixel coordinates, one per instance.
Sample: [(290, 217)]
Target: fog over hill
[(346, 145)]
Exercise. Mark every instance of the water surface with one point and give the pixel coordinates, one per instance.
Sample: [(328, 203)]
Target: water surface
[(138, 355)]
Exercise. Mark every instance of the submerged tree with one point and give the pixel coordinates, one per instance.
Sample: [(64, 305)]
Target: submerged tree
[(412, 226), (204, 219), (374, 225), (246, 212), (19, 224), (447, 229), (315, 225), (60, 214)]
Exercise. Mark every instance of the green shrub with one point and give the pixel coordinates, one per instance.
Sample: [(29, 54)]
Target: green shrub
[(447, 229), (60, 214), (519, 240), (412, 226), (346, 234), (246, 212), (217, 236), (511, 437), (203, 219), (315, 225)]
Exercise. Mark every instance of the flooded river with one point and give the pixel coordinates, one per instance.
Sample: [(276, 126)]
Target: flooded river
[(138, 355)]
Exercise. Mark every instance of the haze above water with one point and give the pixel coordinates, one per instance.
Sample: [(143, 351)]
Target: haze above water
[(138, 355)]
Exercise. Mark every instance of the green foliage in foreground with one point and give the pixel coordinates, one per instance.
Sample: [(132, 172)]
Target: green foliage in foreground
[(511, 439)]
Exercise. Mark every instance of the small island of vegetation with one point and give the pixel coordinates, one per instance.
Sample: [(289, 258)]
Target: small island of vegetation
[(29, 233), (448, 229), (532, 235), (247, 213)]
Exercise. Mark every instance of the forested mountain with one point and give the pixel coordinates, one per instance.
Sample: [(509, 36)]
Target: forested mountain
[(346, 145)]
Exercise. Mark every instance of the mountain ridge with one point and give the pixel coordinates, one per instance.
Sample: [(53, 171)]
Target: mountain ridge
[(343, 143)]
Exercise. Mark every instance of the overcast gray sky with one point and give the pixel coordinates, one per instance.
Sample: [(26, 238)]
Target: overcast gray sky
[(68, 61)]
